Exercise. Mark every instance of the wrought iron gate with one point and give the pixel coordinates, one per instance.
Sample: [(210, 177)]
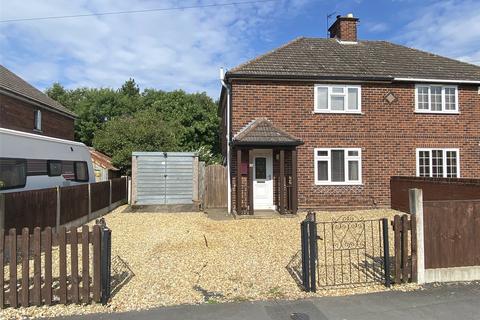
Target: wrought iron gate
[(346, 252)]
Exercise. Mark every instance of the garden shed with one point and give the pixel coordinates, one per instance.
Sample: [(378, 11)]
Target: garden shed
[(166, 179)]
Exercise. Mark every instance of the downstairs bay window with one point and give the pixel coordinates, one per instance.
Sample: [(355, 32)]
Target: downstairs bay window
[(438, 163), (338, 166)]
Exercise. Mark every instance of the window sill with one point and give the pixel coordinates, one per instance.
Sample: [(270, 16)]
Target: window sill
[(437, 112), (338, 184), (338, 112)]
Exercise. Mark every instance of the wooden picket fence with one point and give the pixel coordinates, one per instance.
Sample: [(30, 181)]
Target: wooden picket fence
[(405, 259), (69, 206), (59, 252)]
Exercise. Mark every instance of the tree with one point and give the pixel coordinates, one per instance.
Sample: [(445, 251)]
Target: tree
[(196, 118), (58, 93), (193, 124), (144, 131), (130, 88), (94, 107)]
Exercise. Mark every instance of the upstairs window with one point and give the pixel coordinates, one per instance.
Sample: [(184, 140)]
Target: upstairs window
[(438, 163), (337, 98), (436, 99), (338, 166), (38, 120)]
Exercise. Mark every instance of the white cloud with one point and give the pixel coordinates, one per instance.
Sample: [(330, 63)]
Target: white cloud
[(449, 28), (166, 50)]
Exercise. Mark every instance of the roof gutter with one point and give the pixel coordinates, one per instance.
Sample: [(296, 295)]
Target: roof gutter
[(436, 80)]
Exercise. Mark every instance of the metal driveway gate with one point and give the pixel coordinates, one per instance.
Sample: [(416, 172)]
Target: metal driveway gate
[(164, 178)]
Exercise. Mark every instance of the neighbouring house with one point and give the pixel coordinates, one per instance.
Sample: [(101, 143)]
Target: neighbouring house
[(102, 166), (25, 108), (325, 123)]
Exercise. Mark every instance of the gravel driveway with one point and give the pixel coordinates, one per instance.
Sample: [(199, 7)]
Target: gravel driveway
[(187, 258)]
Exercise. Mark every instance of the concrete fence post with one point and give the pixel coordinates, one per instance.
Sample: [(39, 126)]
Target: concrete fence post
[(2, 211), (416, 209), (57, 224)]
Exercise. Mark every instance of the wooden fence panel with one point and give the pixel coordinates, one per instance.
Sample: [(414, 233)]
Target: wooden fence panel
[(434, 189), (397, 245), (37, 271), (119, 189), (28, 247), (100, 195), (74, 264), (13, 268), (215, 186), (25, 268), (405, 249), (62, 248), (48, 265), (451, 233), (85, 266), (74, 203), (36, 208)]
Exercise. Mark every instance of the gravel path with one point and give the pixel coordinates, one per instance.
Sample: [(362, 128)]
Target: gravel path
[(186, 258)]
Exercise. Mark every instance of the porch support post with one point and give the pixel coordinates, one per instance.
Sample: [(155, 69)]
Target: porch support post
[(239, 181), (294, 183), (281, 180), (250, 185)]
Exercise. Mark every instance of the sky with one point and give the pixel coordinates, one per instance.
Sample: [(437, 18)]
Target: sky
[(184, 49)]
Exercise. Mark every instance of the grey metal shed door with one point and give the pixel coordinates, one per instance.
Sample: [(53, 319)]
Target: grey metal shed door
[(164, 179)]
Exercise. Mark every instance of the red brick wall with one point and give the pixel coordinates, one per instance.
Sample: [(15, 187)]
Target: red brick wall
[(344, 29), (387, 133), (19, 115)]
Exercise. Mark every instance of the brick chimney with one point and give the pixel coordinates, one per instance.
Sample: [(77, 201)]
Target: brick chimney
[(344, 28)]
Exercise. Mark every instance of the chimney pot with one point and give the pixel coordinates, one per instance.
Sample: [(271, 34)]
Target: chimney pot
[(344, 28)]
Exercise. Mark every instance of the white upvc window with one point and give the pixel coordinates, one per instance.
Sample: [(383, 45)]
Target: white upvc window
[(432, 98), (38, 120), (437, 162), (335, 98), (338, 166)]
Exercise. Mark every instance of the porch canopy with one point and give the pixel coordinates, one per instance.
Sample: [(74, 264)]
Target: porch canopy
[(262, 134)]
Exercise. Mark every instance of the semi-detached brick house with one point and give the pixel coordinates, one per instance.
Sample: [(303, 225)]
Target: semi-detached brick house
[(25, 108), (325, 123)]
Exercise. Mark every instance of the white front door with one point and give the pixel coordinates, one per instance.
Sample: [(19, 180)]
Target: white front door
[(262, 179)]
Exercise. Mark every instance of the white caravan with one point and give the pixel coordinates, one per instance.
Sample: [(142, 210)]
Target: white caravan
[(29, 161)]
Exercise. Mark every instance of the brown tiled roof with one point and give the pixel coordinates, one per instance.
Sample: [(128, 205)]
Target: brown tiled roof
[(261, 131), (102, 160), (16, 85), (318, 58)]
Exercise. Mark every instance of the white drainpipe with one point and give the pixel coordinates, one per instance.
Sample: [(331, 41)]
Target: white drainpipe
[(229, 182)]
